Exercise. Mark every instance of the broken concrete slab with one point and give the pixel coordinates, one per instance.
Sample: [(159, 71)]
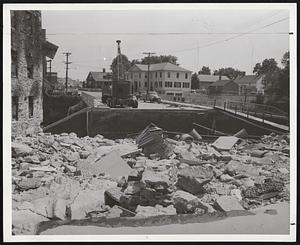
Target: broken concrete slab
[(228, 203), (111, 164), (193, 179), (242, 134), (149, 211), (29, 183), (86, 201), (238, 168), (258, 153), (43, 169), (225, 143), (19, 149), (112, 196), (185, 202)]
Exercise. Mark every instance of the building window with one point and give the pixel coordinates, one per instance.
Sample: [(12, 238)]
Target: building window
[(177, 75), (140, 75), (156, 84), (15, 107), (186, 76), (186, 85), (30, 106), (131, 75), (160, 74), (160, 84), (169, 75), (30, 71), (145, 84), (177, 84), (145, 75), (168, 84), (139, 83), (155, 74), (14, 63)]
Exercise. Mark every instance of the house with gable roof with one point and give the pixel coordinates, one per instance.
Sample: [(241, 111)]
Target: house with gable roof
[(97, 79), (250, 84), (165, 78)]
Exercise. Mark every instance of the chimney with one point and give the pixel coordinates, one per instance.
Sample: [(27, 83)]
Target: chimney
[(103, 70)]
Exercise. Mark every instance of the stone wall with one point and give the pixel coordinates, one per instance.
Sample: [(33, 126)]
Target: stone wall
[(26, 83)]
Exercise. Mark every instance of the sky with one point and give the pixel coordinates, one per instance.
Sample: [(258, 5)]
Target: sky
[(225, 38)]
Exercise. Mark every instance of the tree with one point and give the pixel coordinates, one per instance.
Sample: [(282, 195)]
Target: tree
[(157, 59), (230, 72), (205, 70), (195, 81), (271, 72), (284, 76), (267, 66), (126, 64)]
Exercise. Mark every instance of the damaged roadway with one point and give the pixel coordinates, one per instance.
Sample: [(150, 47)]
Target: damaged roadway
[(62, 178)]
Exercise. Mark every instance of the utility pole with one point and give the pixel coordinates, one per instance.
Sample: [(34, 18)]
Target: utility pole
[(119, 62), (148, 76), (67, 54), (50, 74)]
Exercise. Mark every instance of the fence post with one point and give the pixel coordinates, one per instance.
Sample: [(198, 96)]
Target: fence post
[(235, 109), (248, 112), (215, 101), (224, 105), (263, 116)]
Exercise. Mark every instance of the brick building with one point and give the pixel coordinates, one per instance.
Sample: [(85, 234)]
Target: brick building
[(29, 49), (165, 78)]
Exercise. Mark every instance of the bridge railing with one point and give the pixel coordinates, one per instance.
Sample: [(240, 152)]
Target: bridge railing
[(258, 110)]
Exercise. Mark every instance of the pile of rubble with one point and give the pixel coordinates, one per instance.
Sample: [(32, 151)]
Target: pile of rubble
[(64, 177)]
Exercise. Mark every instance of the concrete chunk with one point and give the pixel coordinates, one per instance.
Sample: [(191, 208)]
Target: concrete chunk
[(225, 142), (228, 203)]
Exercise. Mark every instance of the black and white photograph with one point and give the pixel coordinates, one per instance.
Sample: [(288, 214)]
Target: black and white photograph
[(149, 122)]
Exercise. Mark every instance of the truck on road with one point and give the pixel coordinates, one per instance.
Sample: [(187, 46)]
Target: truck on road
[(118, 93)]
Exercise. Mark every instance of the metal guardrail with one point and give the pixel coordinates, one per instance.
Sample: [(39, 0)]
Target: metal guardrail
[(257, 110)]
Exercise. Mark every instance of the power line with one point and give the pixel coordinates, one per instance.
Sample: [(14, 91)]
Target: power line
[(167, 33), (231, 38)]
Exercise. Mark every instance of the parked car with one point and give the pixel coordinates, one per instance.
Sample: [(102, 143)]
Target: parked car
[(151, 96)]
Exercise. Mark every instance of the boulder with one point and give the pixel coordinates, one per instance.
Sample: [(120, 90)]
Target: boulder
[(194, 178), (185, 202), (228, 203)]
